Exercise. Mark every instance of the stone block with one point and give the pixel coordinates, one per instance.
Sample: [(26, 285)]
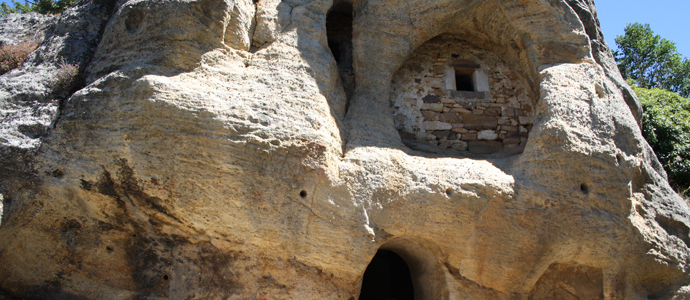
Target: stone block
[(428, 136), (524, 120), (433, 106), (429, 115), (436, 125), (503, 121), (447, 100), (478, 111), (469, 105), (460, 130), (509, 128), (485, 147), (511, 141), (480, 122), (447, 134), (435, 83), (481, 81), (512, 134), (449, 117), (461, 110), (488, 135), (470, 136), (492, 111), (459, 145), (468, 95), (431, 99), (444, 144), (437, 92)]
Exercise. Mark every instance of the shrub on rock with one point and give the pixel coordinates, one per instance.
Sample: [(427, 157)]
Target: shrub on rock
[(12, 56), (666, 127)]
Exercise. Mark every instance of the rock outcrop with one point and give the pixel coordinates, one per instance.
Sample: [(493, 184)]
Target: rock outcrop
[(232, 149)]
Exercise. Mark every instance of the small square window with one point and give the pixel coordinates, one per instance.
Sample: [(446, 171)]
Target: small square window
[(461, 75), (463, 79)]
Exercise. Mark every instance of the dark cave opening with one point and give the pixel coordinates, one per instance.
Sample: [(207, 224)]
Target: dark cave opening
[(339, 32), (387, 278)]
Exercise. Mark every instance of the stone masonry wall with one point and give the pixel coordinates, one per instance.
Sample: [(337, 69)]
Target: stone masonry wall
[(428, 109)]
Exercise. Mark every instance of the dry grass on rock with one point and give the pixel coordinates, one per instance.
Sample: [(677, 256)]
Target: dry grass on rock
[(12, 56)]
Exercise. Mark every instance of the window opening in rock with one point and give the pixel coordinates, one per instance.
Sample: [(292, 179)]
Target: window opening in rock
[(387, 277), (339, 31), (463, 79), (464, 74)]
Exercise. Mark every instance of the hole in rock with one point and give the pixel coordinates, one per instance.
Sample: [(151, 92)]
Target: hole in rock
[(600, 91), (584, 188), (673, 227), (449, 192), (387, 277), (165, 277), (303, 194), (339, 31)]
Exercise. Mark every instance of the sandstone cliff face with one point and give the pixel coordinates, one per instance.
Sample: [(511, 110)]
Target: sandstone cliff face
[(223, 149)]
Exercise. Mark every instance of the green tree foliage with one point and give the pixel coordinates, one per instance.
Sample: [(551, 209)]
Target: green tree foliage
[(39, 6), (52, 6), (652, 61), (18, 8), (666, 127)]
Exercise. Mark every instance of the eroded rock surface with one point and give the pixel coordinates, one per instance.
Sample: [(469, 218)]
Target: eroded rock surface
[(217, 151)]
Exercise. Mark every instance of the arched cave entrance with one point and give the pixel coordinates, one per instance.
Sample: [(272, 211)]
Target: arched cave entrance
[(339, 31), (406, 268), (387, 278)]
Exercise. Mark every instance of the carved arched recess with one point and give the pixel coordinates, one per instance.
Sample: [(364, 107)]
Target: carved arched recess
[(509, 30)]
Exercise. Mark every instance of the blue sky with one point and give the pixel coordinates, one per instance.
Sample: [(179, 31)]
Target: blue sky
[(666, 18)]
